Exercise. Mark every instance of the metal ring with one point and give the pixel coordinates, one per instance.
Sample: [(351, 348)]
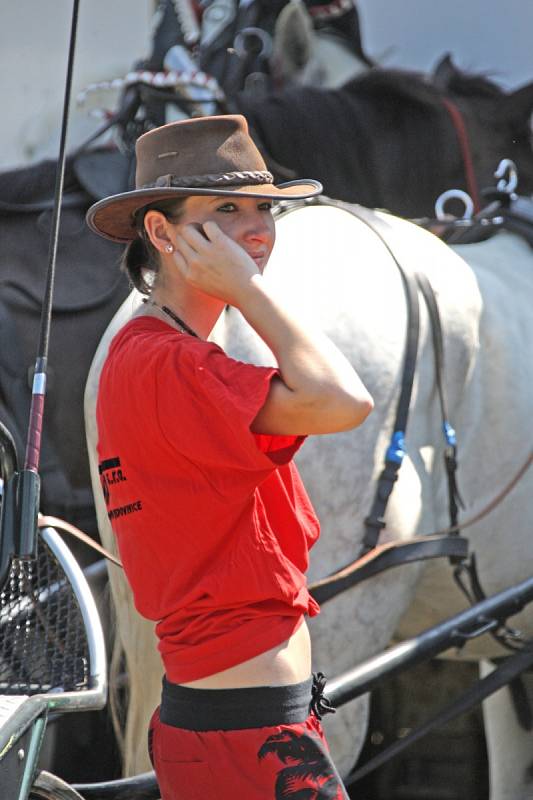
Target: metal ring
[(454, 194), (508, 173), (243, 50)]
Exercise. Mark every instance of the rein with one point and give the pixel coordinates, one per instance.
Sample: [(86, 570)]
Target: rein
[(372, 558), (46, 521), (464, 144), (378, 559)]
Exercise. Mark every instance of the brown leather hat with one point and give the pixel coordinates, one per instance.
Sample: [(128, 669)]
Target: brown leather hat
[(205, 155)]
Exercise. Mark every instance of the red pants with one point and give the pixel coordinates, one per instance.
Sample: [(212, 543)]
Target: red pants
[(228, 758)]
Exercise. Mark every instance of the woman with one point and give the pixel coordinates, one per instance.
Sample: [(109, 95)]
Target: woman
[(212, 520)]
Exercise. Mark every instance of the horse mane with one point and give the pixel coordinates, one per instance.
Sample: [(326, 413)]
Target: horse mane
[(467, 84), (405, 86), (447, 79), (470, 85)]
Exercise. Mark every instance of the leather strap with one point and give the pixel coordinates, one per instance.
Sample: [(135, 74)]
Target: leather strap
[(375, 521), (450, 452), (46, 521), (386, 556), (462, 135)]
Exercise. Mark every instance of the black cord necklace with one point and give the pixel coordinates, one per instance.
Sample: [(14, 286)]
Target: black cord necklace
[(173, 316)]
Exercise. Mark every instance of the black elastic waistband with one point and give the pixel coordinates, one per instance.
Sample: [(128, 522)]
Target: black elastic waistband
[(234, 709)]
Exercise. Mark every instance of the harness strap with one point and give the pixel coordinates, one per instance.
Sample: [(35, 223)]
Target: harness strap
[(375, 521), (46, 521), (450, 452), (466, 153), (386, 556), (467, 571), (70, 200), (450, 546)]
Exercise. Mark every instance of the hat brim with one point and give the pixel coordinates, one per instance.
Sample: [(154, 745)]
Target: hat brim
[(114, 217)]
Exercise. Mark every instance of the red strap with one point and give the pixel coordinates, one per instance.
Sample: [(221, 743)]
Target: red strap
[(462, 135), (198, 10), (334, 9)]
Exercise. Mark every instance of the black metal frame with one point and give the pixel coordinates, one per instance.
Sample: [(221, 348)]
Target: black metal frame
[(22, 717), (454, 632)]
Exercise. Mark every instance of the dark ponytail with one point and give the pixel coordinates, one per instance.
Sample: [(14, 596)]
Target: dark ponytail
[(137, 262), (140, 259)]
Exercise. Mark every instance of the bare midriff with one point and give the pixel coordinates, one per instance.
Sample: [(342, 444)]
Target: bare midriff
[(287, 663)]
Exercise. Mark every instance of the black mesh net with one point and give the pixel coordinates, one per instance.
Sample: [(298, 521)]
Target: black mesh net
[(43, 643)]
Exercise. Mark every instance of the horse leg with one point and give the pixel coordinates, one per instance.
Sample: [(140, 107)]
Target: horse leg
[(509, 745)]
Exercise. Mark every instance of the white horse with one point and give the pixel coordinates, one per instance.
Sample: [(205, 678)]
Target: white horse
[(308, 57), (348, 285)]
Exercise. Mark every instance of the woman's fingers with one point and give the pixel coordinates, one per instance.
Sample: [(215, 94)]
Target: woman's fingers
[(212, 261), (197, 248), (194, 236), (184, 247), (212, 230), (192, 258)]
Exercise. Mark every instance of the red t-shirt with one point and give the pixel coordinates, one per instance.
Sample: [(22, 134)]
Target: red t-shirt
[(213, 522)]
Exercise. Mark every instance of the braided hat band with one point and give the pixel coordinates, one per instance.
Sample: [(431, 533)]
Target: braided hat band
[(243, 178)]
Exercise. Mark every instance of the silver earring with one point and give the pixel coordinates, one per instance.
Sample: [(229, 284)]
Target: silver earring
[(169, 248)]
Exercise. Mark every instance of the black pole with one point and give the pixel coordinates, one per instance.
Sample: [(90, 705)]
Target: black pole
[(453, 632), (512, 667), (27, 482), (33, 443)]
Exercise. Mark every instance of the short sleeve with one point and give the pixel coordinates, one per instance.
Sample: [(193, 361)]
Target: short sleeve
[(280, 449), (206, 403)]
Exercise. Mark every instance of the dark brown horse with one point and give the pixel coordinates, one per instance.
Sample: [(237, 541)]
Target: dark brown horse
[(396, 140)]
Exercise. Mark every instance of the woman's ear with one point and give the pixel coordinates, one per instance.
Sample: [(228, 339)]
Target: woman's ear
[(157, 229)]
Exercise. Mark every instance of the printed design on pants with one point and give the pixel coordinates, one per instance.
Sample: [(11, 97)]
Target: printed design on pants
[(308, 772)]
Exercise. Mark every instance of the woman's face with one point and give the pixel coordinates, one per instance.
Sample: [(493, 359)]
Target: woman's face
[(246, 220)]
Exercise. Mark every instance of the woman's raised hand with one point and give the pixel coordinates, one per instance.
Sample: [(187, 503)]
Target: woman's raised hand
[(213, 262)]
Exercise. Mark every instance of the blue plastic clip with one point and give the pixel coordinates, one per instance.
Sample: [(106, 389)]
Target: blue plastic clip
[(396, 449), (449, 434)]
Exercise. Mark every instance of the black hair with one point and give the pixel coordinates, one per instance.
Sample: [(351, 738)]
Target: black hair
[(140, 256)]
